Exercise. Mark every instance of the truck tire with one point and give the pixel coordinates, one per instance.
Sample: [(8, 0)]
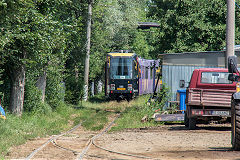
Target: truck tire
[(235, 121), (186, 120), (192, 123)]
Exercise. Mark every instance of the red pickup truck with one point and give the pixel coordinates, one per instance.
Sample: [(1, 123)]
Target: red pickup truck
[(208, 96)]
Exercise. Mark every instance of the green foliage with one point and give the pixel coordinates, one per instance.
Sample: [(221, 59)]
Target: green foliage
[(140, 45), (115, 28), (40, 35), (17, 130), (51, 36), (55, 89), (5, 89), (187, 25), (1, 82), (32, 97), (97, 121), (73, 92), (159, 103), (132, 115)]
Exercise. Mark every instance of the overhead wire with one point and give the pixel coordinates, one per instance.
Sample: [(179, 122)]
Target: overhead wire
[(236, 3)]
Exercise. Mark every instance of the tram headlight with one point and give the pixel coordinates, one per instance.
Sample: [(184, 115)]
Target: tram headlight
[(129, 86), (112, 86)]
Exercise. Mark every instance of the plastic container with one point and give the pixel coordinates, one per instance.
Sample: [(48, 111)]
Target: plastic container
[(182, 97)]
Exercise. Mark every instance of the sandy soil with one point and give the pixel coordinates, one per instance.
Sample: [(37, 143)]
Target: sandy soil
[(164, 142)]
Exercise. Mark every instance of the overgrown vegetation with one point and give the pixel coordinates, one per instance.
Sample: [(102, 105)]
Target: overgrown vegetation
[(42, 43), (94, 115), (42, 52), (159, 102), (131, 116), (17, 130)]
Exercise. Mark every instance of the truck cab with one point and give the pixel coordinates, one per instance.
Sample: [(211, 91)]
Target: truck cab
[(208, 96)]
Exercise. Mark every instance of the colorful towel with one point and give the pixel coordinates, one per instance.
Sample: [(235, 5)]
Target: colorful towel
[(2, 113)]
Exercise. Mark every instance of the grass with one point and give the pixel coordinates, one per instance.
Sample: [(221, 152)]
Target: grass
[(17, 130), (131, 112), (131, 117)]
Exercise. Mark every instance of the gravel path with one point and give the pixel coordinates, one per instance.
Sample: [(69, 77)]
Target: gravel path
[(163, 142)]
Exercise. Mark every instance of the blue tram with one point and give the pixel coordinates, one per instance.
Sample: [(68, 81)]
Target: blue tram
[(127, 75)]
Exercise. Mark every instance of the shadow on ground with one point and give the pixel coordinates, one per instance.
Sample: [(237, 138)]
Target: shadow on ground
[(215, 127), (220, 149), (98, 99)]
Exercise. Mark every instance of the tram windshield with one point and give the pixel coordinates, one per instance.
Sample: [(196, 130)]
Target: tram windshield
[(121, 68)]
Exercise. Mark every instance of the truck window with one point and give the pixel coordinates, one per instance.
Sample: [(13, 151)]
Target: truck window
[(215, 77)]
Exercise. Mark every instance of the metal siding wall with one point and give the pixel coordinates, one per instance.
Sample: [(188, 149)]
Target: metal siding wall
[(171, 75)]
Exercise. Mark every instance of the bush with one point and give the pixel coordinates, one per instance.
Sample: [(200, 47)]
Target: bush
[(32, 98), (160, 101), (55, 89)]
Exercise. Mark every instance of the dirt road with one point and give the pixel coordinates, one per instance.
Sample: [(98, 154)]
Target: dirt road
[(163, 142)]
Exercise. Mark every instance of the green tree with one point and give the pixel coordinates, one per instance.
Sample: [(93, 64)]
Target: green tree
[(16, 39), (42, 44), (36, 40), (115, 28), (188, 25)]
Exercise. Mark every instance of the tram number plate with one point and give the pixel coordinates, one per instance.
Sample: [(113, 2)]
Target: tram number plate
[(222, 113), (121, 89)]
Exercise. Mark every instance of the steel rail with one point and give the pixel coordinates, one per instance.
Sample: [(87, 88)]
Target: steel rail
[(31, 155), (121, 153), (80, 157), (126, 154), (90, 142), (64, 148)]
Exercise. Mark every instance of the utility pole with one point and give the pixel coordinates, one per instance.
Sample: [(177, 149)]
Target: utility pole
[(230, 32), (86, 71)]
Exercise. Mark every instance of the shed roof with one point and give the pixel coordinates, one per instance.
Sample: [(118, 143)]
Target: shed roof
[(192, 53), (205, 58)]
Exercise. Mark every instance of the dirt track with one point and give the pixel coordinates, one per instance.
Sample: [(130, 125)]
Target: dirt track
[(163, 142)]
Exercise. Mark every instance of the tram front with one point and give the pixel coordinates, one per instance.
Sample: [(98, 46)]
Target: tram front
[(121, 75)]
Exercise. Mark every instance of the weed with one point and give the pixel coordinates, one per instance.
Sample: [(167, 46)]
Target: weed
[(93, 115), (131, 117), (160, 100), (17, 130)]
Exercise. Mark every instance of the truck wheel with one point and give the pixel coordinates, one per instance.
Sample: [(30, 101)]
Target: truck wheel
[(192, 123), (186, 120), (235, 125)]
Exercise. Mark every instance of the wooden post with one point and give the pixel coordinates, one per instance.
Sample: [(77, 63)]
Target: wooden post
[(86, 71)]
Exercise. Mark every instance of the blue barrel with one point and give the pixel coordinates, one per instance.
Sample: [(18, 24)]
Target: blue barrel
[(182, 97)]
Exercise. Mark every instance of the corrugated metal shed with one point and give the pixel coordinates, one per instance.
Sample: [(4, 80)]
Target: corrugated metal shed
[(179, 66), (171, 76)]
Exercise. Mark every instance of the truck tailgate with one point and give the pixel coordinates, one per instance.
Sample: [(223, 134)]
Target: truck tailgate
[(209, 97)]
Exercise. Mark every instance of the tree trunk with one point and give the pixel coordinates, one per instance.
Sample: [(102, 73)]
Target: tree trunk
[(100, 87), (92, 88), (17, 91), (41, 84)]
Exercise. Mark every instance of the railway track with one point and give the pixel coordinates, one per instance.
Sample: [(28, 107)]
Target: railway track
[(80, 153)]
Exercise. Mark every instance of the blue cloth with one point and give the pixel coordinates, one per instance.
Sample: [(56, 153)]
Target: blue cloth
[(2, 113)]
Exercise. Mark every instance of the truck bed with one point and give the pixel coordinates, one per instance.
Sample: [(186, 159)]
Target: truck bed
[(209, 97)]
